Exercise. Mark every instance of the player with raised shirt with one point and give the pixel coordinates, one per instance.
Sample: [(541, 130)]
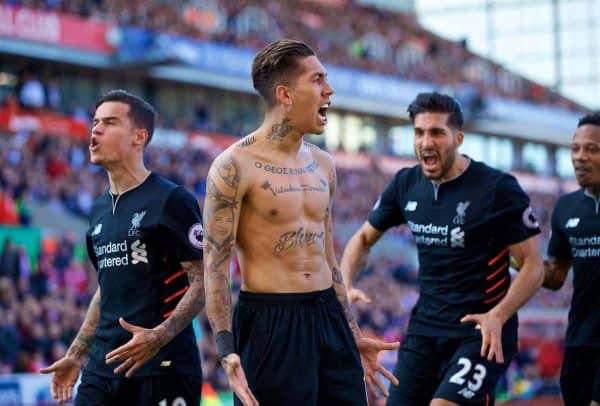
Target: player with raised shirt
[(575, 241), (466, 218), (145, 241)]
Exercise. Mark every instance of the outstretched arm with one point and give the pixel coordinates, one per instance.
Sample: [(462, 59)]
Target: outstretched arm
[(527, 282), (355, 257), (368, 348), (66, 370)]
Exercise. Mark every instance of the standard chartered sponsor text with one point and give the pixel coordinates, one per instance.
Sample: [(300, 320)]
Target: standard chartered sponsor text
[(581, 246), (109, 254), (434, 234)]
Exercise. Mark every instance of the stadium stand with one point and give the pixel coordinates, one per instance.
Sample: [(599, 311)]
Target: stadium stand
[(47, 183)]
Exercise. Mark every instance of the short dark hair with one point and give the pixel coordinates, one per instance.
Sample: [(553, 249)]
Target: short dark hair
[(435, 102), (140, 111), (591, 119), (274, 64)]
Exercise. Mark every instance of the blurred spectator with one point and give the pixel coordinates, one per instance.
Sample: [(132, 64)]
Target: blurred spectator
[(32, 94), (9, 261)]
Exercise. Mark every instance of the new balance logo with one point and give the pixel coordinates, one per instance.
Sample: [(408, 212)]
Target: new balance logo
[(97, 229), (138, 252), (410, 206), (572, 222)]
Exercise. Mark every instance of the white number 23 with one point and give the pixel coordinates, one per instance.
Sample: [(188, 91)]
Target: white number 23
[(479, 373)]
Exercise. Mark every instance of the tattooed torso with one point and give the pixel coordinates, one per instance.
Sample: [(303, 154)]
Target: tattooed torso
[(280, 239)]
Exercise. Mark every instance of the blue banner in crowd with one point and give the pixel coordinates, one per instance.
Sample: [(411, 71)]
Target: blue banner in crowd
[(138, 46), (142, 46)]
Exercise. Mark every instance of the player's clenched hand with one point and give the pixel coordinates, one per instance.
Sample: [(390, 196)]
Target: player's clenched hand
[(64, 372), (369, 349), (354, 295), (491, 334), (144, 345), (237, 379)]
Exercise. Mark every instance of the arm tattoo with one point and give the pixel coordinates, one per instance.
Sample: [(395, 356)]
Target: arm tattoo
[(280, 130), (83, 341), (220, 210), (336, 274), (188, 307)]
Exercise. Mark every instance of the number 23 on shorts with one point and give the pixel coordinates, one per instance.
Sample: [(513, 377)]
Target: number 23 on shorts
[(471, 374)]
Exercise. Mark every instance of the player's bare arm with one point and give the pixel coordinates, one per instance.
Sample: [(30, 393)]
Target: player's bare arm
[(355, 258), (523, 287), (146, 343), (338, 280), (224, 191), (368, 348), (221, 213), (555, 272), (82, 344), (66, 370)]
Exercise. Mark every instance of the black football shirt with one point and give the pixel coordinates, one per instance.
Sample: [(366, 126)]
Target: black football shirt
[(576, 236), (136, 242), (463, 229)]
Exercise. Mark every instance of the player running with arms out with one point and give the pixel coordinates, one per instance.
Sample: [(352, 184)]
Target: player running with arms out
[(145, 241), (292, 341), (575, 241), (466, 218)]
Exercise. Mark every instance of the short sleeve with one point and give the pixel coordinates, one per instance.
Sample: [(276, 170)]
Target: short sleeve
[(387, 212), (90, 250), (512, 216), (558, 246), (182, 217)]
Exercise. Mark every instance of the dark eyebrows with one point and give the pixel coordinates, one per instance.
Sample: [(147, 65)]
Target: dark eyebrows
[(105, 119), (432, 129)]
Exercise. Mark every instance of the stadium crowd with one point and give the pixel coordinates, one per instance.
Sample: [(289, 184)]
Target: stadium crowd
[(43, 302), (361, 36)]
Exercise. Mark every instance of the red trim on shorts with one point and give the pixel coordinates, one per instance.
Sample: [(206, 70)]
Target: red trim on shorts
[(487, 400), (497, 257), (174, 295), (175, 275), (167, 314)]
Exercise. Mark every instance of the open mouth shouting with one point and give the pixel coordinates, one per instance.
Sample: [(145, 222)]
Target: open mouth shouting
[(94, 145), (430, 160), (322, 113)]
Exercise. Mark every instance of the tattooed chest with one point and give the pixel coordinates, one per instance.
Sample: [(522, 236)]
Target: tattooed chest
[(286, 201)]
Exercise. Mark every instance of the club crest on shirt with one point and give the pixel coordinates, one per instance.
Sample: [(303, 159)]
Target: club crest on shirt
[(196, 235), (461, 212), (136, 220)]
